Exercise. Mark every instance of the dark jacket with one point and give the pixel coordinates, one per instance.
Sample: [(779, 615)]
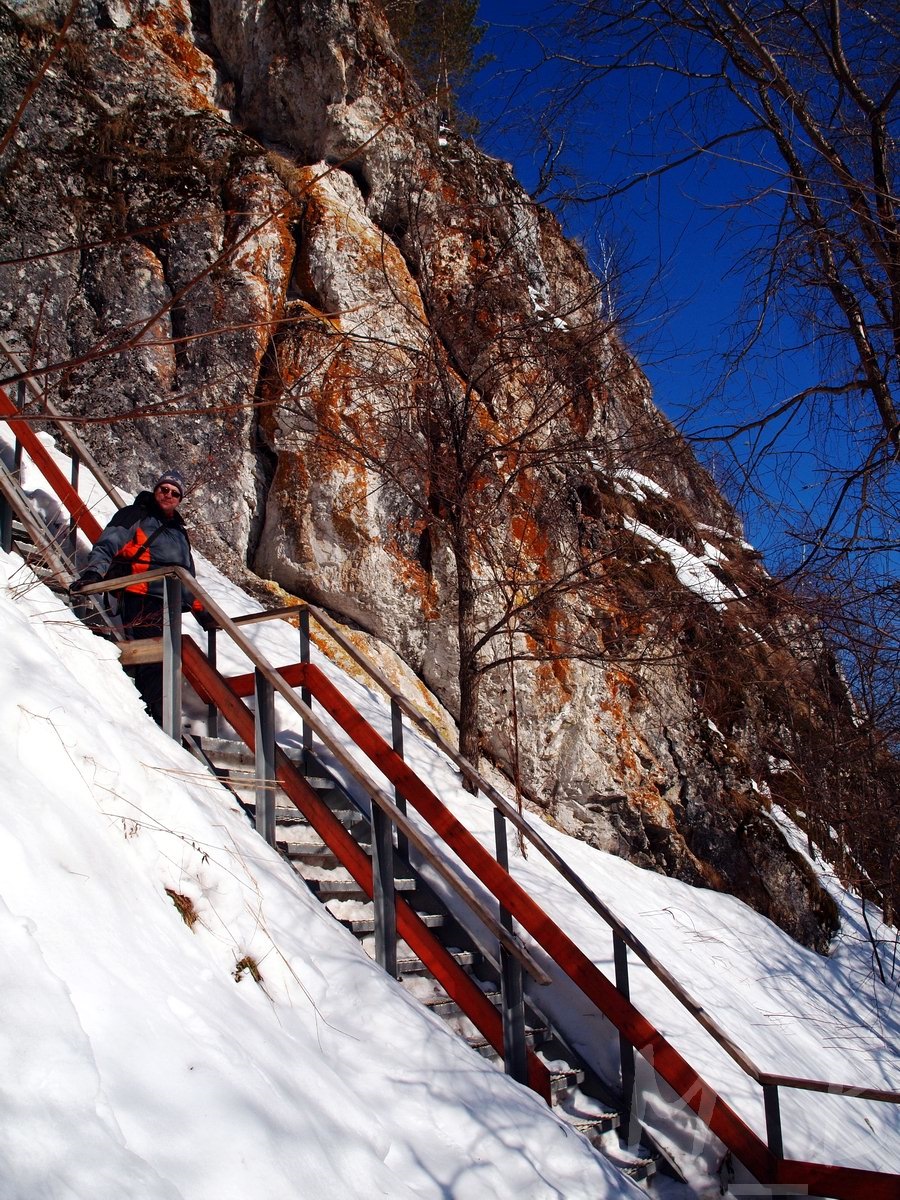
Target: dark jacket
[(124, 542)]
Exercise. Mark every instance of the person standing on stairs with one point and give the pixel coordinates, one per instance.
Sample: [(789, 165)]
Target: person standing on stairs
[(147, 534)]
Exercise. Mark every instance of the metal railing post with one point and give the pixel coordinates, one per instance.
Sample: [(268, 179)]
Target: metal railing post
[(305, 693), (773, 1119), (171, 664), (397, 743), (383, 864), (20, 449), (626, 1050), (264, 728), (512, 987), (212, 712), (774, 1136), (5, 525), (72, 536), (6, 512), (384, 895)]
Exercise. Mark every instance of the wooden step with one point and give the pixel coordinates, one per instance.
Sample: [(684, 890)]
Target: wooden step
[(479, 1042), (351, 818), (330, 886), (564, 1080), (594, 1128), (361, 923), (410, 964), (313, 852), (591, 1117), (446, 1008), (641, 1170), (230, 754)]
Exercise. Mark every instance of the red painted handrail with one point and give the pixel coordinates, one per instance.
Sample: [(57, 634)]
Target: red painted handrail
[(664, 1058), (43, 459)]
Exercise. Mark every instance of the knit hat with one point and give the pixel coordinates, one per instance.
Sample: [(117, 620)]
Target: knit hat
[(175, 478)]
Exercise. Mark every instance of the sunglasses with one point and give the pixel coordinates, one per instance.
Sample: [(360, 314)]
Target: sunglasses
[(165, 490)]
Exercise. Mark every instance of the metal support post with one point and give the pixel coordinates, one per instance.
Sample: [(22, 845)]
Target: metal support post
[(630, 1124), (72, 537), (171, 664), (383, 889), (6, 513), (212, 713), (265, 757), (397, 743), (512, 993), (6, 516), (305, 693), (774, 1135), (512, 986), (773, 1119), (19, 450)]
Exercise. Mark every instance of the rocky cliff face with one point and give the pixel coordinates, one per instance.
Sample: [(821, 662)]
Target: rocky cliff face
[(242, 244)]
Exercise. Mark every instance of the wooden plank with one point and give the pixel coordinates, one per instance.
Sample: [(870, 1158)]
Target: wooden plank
[(840, 1183), (43, 460), (135, 654)]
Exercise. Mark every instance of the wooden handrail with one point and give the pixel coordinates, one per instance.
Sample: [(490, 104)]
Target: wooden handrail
[(883, 1095), (78, 509), (71, 438)]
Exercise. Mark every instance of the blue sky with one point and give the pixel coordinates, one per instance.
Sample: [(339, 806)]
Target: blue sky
[(681, 293)]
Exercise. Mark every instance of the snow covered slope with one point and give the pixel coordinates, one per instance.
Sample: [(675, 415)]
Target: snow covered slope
[(258, 1053), (138, 1058)]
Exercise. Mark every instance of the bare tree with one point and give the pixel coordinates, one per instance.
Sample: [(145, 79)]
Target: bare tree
[(439, 41), (805, 97), (800, 101), (484, 416)]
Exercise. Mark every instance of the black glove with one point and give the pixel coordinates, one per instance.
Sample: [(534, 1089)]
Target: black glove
[(205, 620), (79, 584)]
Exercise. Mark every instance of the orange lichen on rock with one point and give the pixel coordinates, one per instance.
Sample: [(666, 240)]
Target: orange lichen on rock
[(162, 29), (532, 539), (415, 581), (348, 514), (620, 682), (292, 484)]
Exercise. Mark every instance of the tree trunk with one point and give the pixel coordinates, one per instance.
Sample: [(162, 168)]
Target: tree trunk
[(469, 675)]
